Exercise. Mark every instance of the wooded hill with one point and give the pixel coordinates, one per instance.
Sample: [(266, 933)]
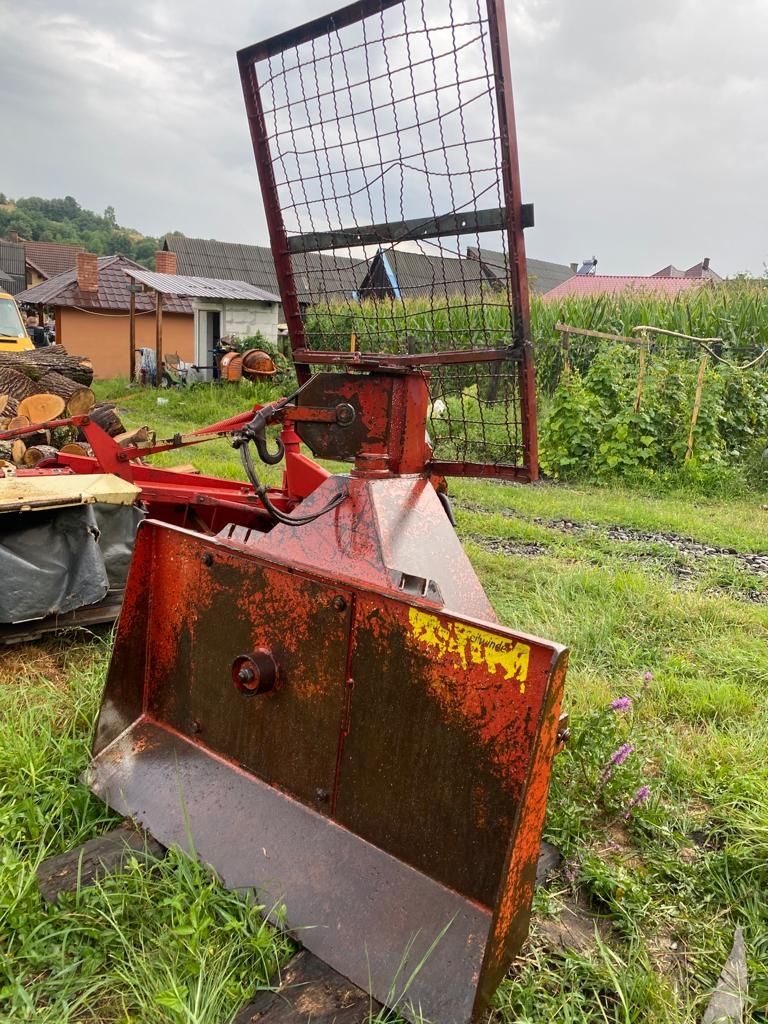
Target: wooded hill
[(66, 222)]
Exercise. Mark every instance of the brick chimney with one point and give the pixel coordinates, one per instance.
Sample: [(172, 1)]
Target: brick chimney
[(87, 267), (574, 267), (13, 235), (165, 262), (705, 263)]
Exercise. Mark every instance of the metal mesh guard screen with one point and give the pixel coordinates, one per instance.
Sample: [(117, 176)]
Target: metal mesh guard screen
[(385, 145)]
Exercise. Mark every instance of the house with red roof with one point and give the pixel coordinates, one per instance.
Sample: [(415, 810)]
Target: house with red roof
[(593, 285)]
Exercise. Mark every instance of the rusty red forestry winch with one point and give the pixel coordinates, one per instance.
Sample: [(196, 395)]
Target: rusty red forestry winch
[(326, 708)]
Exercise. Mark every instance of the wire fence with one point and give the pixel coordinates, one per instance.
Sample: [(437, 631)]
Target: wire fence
[(382, 140)]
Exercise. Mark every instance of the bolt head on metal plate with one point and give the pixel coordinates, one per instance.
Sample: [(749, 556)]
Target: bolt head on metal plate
[(255, 673)]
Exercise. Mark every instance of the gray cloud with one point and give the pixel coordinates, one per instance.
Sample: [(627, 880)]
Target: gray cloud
[(642, 127)]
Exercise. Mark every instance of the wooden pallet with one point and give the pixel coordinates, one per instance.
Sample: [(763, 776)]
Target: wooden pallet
[(91, 615)]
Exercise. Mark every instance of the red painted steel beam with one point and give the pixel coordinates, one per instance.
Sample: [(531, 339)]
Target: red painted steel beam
[(345, 16), (510, 169), (278, 238)]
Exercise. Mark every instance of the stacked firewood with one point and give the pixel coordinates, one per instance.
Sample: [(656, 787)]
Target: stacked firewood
[(44, 385)]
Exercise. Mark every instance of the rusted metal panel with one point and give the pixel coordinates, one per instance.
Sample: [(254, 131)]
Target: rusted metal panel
[(442, 785), (388, 785), (207, 611), (363, 911), (385, 530), (518, 878)]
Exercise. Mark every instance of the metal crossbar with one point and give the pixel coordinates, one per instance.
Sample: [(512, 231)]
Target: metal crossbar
[(385, 145)]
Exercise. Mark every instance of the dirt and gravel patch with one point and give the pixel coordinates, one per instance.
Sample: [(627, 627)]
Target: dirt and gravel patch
[(752, 561), (507, 546), (690, 563)]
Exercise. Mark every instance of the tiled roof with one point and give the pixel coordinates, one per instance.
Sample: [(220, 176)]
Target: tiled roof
[(417, 274), (698, 270), (318, 275), (50, 258), (542, 275), (201, 287), (610, 284), (669, 271), (703, 271), (12, 264), (113, 293)]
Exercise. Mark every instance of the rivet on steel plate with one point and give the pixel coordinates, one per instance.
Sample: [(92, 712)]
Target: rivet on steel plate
[(207, 558), (339, 603)]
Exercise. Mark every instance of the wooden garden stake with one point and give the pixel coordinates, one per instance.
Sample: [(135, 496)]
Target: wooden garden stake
[(566, 360), (696, 404), (640, 378)]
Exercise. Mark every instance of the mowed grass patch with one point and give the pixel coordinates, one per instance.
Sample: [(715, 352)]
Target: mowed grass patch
[(168, 945), (671, 876)]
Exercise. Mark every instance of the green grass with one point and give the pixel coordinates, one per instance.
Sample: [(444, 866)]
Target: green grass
[(670, 879), (166, 945), (180, 410)]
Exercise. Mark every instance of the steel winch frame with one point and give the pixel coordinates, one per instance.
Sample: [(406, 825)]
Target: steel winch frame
[(325, 707), (329, 712)]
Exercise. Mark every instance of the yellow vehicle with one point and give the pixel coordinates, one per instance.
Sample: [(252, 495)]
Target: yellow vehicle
[(13, 333)]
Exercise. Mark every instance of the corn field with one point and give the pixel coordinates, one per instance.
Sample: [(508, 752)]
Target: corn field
[(736, 311), (602, 413)]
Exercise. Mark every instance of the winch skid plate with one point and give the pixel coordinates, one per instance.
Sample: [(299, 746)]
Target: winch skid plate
[(383, 787)]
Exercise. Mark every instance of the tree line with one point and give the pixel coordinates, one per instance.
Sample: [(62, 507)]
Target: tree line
[(67, 222)]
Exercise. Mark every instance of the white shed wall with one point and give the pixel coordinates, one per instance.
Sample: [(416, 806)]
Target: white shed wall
[(245, 318)]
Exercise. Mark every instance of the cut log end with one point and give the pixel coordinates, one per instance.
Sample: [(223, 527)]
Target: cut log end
[(43, 407), (75, 448), (107, 418), (37, 453), (18, 451)]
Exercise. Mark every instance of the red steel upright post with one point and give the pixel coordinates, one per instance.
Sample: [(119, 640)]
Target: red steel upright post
[(278, 238), (518, 269)]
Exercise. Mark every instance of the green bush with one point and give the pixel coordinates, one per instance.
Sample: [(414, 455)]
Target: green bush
[(590, 429)]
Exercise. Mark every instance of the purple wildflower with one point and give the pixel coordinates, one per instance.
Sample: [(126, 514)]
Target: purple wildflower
[(640, 797), (617, 757), (621, 704), (571, 872), (647, 677)]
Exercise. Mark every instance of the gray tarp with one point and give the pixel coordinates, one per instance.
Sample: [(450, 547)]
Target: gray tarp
[(56, 561)]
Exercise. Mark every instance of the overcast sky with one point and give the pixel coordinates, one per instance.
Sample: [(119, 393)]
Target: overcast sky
[(642, 126)]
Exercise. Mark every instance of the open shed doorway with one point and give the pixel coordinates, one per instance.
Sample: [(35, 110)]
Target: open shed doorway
[(208, 337)]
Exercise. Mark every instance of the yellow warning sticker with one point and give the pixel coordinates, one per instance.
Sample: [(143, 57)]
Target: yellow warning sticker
[(471, 645)]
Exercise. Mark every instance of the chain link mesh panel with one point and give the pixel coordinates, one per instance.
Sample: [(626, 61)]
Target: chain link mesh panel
[(384, 140)]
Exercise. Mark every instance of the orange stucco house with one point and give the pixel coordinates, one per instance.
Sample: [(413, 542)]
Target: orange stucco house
[(91, 306)]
